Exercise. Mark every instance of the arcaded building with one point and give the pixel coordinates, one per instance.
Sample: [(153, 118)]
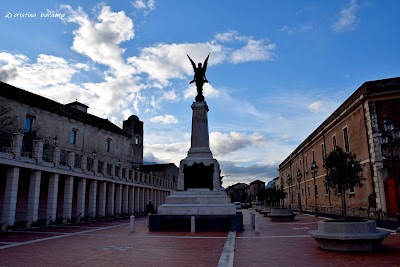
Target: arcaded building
[(58, 163), (356, 127)]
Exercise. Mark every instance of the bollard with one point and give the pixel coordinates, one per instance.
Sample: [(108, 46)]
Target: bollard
[(132, 223), (252, 216), (192, 224), (257, 224)]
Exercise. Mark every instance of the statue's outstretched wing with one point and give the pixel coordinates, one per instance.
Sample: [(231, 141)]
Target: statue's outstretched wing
[(205, 63), (191, 61)]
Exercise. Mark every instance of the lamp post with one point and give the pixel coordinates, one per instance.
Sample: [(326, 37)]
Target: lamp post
[(391, 135), (298, 176), (289, 180), (314, 170)]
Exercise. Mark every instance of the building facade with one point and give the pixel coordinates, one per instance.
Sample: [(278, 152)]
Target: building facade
[(168, 171), (238, 192), (59, 163), (254, 187), (355, 126)]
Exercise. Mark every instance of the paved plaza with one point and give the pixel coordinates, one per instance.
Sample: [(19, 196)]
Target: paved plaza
[(110, 243)]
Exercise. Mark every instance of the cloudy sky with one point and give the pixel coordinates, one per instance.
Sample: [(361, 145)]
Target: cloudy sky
[(277, 69)]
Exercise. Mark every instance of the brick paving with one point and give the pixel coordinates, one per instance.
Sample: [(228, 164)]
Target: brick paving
[(109, 243)]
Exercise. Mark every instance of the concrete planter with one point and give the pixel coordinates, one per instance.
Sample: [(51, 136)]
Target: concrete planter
[(281, 215), (348, 236)]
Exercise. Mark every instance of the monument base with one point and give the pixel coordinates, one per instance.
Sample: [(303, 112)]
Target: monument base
[(213, 211), (182, 223)]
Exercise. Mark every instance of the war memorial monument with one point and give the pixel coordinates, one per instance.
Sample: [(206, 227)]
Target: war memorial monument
[(199, 199)]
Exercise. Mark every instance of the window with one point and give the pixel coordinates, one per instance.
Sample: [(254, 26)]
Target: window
[(346, 139), (73, 136), (137, 140), (313, 155), (316, 190), (323, 150), (28, 124), (334, 141), (302, 191), (308, 188), (306, 162), (326, 188), (108, 145)]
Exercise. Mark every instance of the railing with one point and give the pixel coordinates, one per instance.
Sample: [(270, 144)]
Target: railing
[(63, 157), (48, 151), (5, 141), (20, 145), (78, 160), (89, 164), (27, 146), (109, 166), (100, 167)]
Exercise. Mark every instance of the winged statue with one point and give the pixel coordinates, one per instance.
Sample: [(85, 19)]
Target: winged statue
[(199, 77)]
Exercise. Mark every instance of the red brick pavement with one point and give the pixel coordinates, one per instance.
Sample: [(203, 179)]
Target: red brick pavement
[(289, 244), (114, 246), (110, 243)]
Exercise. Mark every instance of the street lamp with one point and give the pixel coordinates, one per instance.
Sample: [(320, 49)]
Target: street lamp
[(298, 177), (390, 135), (289, 180), (314, 170)]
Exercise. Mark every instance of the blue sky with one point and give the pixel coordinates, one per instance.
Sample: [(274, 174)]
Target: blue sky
[(277, 69)]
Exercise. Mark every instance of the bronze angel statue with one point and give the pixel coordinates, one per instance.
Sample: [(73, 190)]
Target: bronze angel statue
[(199, 77)]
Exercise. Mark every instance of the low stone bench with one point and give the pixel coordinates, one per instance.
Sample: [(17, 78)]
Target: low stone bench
[(348, 236), (281, 215), (266, 211)]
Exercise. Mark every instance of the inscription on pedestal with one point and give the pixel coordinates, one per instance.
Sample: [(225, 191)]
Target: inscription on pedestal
[(198, 176)]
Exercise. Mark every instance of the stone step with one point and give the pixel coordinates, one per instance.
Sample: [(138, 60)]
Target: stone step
[(199, 192), (197, 199), (196, 209)]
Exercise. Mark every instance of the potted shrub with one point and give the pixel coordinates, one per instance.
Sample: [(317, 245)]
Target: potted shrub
[(344, 172)]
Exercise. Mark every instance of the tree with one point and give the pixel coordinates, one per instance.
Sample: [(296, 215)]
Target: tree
[(343, 172)]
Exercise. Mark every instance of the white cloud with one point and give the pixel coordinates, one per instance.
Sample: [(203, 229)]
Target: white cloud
[(226, 143), (164, 119), (170, 96), (163, 62), (347, 20), (317, 107), (141, 4), (47, 70), (208, 91), (254, 50), (100, 39), (296, 29)]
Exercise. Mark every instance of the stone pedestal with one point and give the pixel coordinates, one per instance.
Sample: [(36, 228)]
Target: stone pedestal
[(199, 188), (199, 169)]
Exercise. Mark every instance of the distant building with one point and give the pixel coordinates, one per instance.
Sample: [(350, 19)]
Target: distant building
[(355, 127), (59, 163), (254, 187), (168, 171), (238, 192)]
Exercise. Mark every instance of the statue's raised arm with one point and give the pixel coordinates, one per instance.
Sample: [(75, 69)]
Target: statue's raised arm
[(199, 77)]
